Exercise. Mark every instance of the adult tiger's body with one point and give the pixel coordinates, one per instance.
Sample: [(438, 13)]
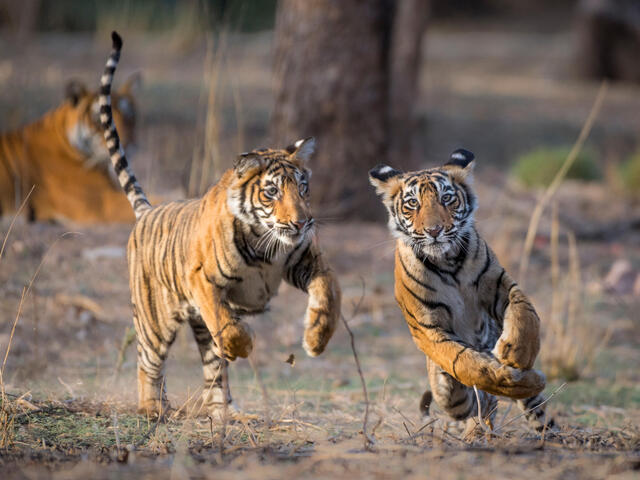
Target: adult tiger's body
[(209, 261), (64, 156), (474, 324)]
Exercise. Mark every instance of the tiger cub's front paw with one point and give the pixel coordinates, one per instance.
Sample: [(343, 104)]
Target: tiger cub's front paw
[(237, 340), (316, 338), (516, 383), (517, 350)]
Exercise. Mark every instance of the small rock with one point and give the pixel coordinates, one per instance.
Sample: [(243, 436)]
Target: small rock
[(621, 278)]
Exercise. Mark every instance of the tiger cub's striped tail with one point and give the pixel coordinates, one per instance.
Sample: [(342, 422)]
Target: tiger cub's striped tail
[(127, 179)]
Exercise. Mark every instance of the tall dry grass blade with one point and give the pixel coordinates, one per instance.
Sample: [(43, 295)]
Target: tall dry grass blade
[(13, 331), (575, 282), (211, 160), (556, 301), (27, 289), (557, 181), (197, 155), (13, 220), (206, 164), (237, 105)]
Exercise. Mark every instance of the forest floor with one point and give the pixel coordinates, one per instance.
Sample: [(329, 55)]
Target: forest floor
[(72, 416)]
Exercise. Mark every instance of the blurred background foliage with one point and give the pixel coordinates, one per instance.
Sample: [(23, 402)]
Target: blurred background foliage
[(143, 15)]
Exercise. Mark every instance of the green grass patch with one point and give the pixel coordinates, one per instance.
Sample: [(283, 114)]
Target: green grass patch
[(630, 174), (78, 431), (597, 393), (538, 167)]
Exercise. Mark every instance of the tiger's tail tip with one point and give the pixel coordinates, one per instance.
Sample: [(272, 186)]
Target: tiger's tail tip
[(117, 40)]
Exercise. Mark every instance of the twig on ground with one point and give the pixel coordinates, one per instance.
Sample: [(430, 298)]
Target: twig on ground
[(368, 440), (554, 393), (481, 421), (409, 435), (419, 431)]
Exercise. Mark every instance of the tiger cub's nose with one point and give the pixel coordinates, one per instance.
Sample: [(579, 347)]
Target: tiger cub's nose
[(434, 231), (300, 224)]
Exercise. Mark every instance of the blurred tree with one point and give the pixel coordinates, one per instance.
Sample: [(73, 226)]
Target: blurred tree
[(408, 28), (609, 39), (20, 16), (346, 70)]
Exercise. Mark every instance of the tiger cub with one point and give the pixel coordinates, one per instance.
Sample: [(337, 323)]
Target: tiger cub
[(465, 313), (210, 261)]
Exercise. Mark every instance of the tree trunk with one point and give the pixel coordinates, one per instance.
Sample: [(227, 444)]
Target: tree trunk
[(608, 39), (404, 68), (331, 83), (335, 80)]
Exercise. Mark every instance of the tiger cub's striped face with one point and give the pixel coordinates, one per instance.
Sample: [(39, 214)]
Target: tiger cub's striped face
[(271, 192), (430, 210)]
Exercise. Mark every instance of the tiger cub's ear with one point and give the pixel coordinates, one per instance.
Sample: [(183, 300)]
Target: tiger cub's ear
[(74, 91), (132, 85), (302, 149), (386, 179), (245, 162), (460, 165)]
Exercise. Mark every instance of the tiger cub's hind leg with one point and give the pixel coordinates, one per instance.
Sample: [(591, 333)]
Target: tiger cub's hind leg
[(156, 324), (216, 391), (535, 412)]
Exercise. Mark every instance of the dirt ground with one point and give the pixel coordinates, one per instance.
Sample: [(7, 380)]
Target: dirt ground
[(72, 416)]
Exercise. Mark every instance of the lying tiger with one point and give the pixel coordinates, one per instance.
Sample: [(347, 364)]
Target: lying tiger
[(210, 261), (64, 156), (465, 313)]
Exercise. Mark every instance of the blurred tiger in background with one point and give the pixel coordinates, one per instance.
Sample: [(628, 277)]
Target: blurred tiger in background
[(63, 155), (210, 261), (465, 313)]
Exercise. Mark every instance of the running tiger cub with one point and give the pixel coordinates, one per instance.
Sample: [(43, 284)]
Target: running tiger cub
[(64, 156), (210, 261), (465, 313)]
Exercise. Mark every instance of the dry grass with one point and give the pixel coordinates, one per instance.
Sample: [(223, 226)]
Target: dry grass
[(572, 341)]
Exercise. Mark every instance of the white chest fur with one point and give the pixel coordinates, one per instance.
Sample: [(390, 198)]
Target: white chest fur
[(259, 284)]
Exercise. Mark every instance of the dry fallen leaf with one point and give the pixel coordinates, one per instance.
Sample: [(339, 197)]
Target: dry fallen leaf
[(291, 360)]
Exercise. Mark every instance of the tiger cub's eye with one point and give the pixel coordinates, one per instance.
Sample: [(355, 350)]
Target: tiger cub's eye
[(303, 188), (446, 198), (271, 191), (412, 203)]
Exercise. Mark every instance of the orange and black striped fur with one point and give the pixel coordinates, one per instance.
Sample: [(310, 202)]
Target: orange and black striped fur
[(64, 156), (210, 261), (465, 313)]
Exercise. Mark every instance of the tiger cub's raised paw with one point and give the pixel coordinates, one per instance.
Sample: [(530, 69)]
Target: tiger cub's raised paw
[(237, 340), (516, 349), (519, 342), (516, 383)]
